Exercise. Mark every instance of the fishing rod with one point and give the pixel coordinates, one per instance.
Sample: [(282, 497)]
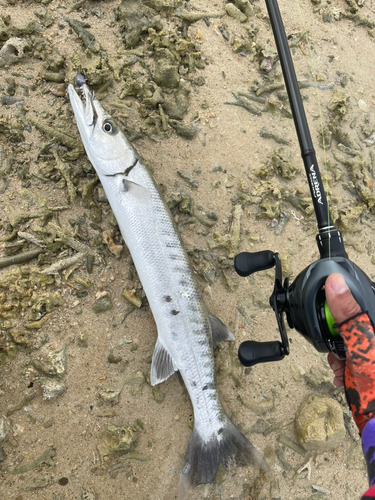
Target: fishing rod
[(303, 301)]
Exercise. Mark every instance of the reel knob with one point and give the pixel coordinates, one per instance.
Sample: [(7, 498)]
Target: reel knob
[(246, 263), (250, 352)]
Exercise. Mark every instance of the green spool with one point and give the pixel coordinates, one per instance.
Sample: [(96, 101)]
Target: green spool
[(330, 321)]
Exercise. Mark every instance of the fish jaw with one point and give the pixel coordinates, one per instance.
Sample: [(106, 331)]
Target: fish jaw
[(106, 146)]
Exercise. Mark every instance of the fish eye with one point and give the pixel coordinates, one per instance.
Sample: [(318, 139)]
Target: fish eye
[(107, 127)]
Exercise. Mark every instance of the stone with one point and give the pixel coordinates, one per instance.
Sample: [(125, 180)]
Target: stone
[(234, 12), (5, 428), (319, 424), (53, 364), (110, 395), (118, 438), (102, 304), (166, 74), (13, 51), (51, 389)]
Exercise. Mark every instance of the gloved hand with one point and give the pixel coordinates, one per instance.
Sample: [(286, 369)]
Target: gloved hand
[(358, 335)]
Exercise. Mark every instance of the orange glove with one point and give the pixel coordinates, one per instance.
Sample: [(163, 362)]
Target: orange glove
[(358, 335)]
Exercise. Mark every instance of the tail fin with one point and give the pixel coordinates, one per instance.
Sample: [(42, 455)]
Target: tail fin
[(202, 459)]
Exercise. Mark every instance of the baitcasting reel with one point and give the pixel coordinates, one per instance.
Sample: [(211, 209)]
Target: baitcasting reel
[(304, 301), (304, 304)]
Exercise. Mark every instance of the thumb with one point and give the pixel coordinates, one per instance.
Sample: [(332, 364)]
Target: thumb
[(340, 300)]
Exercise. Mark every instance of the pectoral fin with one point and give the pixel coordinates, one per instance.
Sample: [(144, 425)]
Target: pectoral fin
[(142, 194), (219, 331), (162, 365)]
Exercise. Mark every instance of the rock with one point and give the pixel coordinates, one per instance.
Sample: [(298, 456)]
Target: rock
[(229, 281), (53, 364), (176, 107), (186, 175), (118, 438), (317, 379), (136, 381), (363, 106), (208, 272), (5, 428), (166, 74), (157, 394), (259, 408), (102, 304), (44, 458), (22, 337), (111, 358), (44, 16), (183, 129), (281, 161), (110, 395), (245, 6), (51, 389), (115, 249), (259, 427), (82, 340), (319, 424), (232, 11), (88, 495), (132, 297), (12, 51)]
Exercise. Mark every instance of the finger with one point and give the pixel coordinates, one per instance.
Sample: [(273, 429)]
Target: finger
[(340, 300), (338, 367), (335, 363), (338, 381)]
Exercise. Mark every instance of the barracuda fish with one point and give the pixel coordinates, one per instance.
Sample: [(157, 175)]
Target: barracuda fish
[(187, 332)]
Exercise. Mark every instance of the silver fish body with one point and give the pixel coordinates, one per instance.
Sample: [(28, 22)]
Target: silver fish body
[(187, 332)]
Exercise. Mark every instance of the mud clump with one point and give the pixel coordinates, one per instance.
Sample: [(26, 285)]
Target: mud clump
[(319, 424)]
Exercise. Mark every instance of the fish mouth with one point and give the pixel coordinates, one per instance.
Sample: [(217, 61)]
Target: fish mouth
[(88, 110)]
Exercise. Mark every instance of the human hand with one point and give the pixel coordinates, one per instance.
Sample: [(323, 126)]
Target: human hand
[(342, 305), (358, 335)]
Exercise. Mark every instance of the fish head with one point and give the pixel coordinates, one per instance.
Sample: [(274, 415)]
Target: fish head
[(106, 146)]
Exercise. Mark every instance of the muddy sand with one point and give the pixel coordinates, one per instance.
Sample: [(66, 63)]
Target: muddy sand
[(197, 86)]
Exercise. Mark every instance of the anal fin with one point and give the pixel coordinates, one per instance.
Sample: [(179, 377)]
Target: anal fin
[(162, 365), (219, 331)]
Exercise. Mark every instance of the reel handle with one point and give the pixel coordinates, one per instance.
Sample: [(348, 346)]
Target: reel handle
[(246, 263), (251, 352)]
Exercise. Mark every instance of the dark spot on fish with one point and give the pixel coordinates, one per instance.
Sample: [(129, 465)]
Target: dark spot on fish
[(220, 430), (174, 312), (183, 283), (167, 298), (205, 388), (194, 384)]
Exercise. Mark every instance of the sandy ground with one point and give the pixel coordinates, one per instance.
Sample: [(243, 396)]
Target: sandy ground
[(73, 424)]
